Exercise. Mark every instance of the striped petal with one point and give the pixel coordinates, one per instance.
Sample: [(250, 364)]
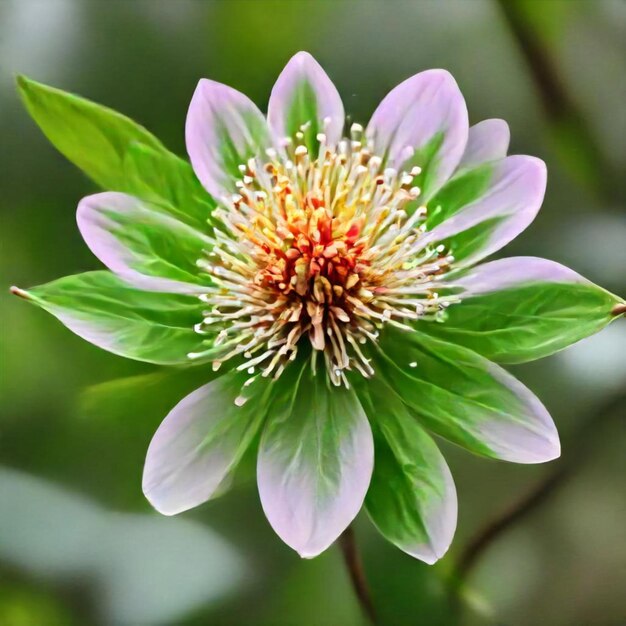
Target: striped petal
[(515, 272), (508, 204), (224, 129), (523, 308), (412, 498), (142, 244), (467, 399), (315, 461), (199, 444), (111, 314), (423, 122), (304, 95)]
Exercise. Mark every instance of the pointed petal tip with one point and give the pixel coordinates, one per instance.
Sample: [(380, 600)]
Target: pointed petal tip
[(302, 56), (285, 111), (428, 552), (542, 450), (430, 558), (308, 555), (163, 505), (20, 293)]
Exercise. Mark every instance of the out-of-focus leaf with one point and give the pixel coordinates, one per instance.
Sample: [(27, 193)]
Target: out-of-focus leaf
[(93, 137), (143, 569), (169, 182)]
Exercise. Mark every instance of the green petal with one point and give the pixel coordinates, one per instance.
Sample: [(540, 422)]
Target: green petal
[(458, 192), (465, 398), (411, 499), (526, 322), (315, 460), (93, 137), (142, 243), (142, 325), (170, 183), (305, 97)]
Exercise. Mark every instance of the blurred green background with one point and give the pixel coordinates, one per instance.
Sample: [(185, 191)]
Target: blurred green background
[(79, 545)]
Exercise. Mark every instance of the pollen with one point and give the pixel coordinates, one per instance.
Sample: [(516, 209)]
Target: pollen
[(322, 248)]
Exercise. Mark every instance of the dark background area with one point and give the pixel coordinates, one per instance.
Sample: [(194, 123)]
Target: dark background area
[(78, 542)]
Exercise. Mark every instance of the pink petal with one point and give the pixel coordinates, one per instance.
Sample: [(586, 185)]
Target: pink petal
[(197, 445), (534, 439), (514, 195), (125, 250), (440, 520), (302, 67), (515, 271), (224, 129), (314, 467), (488, 141), (413, 114)]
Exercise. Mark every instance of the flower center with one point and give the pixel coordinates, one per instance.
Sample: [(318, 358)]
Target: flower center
[(323, 249)]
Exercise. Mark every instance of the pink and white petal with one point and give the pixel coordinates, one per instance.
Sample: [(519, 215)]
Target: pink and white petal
[(534, 439), (467, 399), (417, 112), (515, 272), (315, 463), (419, 512), (303, 70), (224, 129), (487, 141), (199, 444), (146, 247), (509, 205)]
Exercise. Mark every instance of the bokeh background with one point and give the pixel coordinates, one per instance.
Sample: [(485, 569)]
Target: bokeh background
[(79, 545)]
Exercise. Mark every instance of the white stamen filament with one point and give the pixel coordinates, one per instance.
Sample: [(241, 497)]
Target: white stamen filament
[(325, 249)]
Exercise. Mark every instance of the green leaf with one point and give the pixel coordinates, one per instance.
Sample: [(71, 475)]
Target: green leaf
[(525, 322), (93, 137), (142, 325), (411, 499), (465, 398), (170, 183)]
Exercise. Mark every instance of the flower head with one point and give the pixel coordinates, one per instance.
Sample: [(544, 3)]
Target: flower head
[(332, 283), (321, 249)]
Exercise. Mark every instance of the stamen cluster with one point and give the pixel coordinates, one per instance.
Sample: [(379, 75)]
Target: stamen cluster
[(324, 248)]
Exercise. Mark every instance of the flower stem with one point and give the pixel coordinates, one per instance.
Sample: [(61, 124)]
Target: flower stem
[(354, 565)]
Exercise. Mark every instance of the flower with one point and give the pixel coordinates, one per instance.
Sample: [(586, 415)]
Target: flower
[(334, 285)]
